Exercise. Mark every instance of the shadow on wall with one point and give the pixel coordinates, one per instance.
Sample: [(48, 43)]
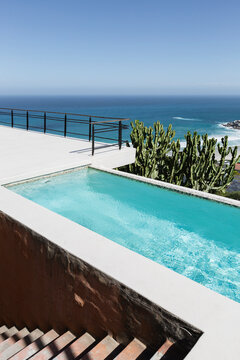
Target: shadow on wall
[(44, 286)]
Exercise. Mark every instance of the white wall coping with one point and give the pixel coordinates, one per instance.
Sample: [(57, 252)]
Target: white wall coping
[(217, 316)]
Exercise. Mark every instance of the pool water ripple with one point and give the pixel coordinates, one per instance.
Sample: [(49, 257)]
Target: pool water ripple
[(195, 237)]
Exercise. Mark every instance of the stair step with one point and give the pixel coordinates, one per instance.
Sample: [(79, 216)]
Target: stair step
[(76, 348), (54, 347), (13, 339), (8, 333), (162, 350), (37, 345), (3, 329), (132, 350), (21, 344), (102, 349)]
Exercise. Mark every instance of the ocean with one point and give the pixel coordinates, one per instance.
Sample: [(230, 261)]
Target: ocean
[(196, 113)]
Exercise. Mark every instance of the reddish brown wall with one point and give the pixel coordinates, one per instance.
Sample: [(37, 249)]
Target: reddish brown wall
[(44, 286)]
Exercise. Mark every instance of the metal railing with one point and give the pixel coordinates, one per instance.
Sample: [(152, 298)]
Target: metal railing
[(67, 124)]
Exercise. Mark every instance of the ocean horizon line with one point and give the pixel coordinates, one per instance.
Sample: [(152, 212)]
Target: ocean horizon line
[(124, 95)]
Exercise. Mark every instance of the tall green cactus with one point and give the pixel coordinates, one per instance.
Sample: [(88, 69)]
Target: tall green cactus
[(151, 147), (176, 163), (160, 157), (201, 168)]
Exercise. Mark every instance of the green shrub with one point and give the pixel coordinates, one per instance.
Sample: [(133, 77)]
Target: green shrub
[(233, 195)]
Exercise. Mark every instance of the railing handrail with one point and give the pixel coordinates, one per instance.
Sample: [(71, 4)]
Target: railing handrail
[(63, 113), (106, 125)]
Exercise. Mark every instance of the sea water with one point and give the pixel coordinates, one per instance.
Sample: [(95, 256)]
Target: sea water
[(196, 113)]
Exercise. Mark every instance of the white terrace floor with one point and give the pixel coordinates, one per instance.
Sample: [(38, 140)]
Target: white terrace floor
[(25, 154)]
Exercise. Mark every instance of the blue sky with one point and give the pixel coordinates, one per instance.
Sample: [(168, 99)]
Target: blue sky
[(120, 47)]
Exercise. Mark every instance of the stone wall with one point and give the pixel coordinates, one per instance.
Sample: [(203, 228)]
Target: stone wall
[(44, 286)]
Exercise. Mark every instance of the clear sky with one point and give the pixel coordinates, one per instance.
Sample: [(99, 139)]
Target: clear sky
[(120, 47)]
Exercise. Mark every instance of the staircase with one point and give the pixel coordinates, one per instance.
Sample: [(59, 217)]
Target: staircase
[(23, 344)]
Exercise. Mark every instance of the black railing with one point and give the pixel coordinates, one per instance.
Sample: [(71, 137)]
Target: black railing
[(67, 124)]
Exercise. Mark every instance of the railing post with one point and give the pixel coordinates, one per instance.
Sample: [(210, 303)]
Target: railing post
[(120, 135), (12, 118), (27, 122), (92, 139), (65, 125), (90, 127), (45, 122)]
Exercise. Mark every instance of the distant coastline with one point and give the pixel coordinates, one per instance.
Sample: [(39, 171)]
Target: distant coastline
[(233, 124)]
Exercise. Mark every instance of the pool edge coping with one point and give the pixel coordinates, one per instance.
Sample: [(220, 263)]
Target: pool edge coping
[(173, 187), (17, 180)]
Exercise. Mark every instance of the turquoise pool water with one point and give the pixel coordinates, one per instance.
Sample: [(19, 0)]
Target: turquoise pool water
[(195, 237)]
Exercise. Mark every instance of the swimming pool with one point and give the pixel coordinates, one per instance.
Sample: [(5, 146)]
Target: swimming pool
[(195, 237)]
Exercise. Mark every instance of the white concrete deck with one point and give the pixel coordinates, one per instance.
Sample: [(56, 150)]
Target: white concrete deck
[(26, 154)]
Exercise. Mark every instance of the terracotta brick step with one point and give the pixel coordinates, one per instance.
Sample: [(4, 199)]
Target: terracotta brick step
[(102, 349), (8, 333), (76, 348), (132, 350), (162, 350), (37, 345), (3, 329), (13, 339), (20, 344), (54, 347)]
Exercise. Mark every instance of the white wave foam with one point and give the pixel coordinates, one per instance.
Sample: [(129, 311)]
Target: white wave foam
[(185, 119), (233, 134), (232, 140), (221, 125)]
